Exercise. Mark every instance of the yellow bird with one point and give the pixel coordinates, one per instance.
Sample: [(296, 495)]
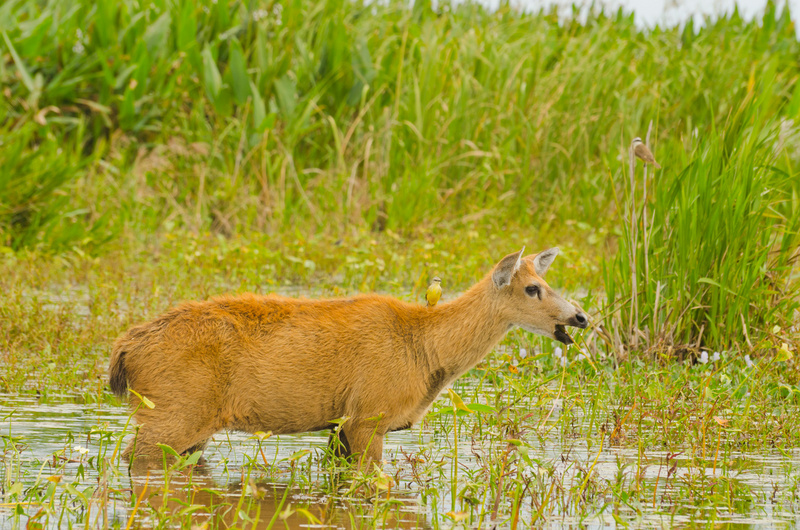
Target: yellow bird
[(434, 292), (643, 153)]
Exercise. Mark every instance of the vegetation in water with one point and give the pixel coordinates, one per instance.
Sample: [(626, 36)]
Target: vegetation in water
[(162, 151)]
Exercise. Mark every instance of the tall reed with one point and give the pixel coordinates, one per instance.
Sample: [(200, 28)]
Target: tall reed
[(718, 265)]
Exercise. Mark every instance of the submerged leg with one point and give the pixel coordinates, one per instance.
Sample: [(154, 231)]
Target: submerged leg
[(199, 446), (338, 444), (183, 435), (366, 444)]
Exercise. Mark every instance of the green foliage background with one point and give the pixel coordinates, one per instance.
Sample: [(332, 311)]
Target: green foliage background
[(125, 121)]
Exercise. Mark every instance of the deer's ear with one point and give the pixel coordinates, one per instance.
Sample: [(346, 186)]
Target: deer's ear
[(544, 259), (505, 270)]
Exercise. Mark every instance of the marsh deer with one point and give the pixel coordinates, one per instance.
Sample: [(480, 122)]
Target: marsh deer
[(270, 363)]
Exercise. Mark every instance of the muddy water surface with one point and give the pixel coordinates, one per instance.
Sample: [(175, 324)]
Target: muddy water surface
[(53, 475)]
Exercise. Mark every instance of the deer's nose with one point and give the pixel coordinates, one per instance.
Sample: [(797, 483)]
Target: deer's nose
[(581, 319)]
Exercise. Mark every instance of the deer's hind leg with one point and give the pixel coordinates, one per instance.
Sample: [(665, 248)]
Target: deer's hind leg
[(365, 443), (184, 434)]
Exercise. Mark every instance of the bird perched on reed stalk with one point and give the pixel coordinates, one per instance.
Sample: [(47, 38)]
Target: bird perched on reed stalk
[(434, 292), (643, 153)]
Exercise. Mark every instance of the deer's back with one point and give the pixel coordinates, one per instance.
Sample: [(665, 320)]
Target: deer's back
[(279, 330)]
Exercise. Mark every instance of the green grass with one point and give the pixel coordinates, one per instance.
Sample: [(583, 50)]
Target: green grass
[(337, 113)]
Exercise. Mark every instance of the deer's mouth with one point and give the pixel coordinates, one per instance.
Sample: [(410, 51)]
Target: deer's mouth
[(561, 334)]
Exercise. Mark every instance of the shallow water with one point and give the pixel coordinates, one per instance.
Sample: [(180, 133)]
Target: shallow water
[(42, 435), (62, 436)]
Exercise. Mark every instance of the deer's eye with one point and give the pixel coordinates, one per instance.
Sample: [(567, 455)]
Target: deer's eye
[(532, 290)]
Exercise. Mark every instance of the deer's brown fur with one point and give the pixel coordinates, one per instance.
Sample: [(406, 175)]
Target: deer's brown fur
[(270, 363)]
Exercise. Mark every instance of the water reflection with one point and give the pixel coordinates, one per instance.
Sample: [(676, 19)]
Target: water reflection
[(194, 498), (586, 484)]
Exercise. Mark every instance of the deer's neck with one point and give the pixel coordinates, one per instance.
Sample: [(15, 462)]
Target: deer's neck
[(462, 332)]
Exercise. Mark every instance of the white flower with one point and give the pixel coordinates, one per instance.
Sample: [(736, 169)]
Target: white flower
[(748, 362), (523, 353), (563, 361), (81, 450), (703, 357), (557, 352), (580, 357), (715, 357), (78, 48)]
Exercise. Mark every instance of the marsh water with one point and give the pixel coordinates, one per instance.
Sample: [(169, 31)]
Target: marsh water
[(53, 447)]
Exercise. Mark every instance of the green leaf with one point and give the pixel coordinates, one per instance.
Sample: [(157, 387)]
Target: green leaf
[(27, 80), (169, 450), (105, 26), (783, 353), (259, 109), (123, 75), (127, 110), (479, 407), (262, 57), (193, 458), (147, 403), (155, 36), (187, 27), (239, 78), (260, 435), (211, 77), (191, 509), (308, 515), (523, 452), (75, 493), (299, 454), (286, 95), (457, 403), (716, 284)]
